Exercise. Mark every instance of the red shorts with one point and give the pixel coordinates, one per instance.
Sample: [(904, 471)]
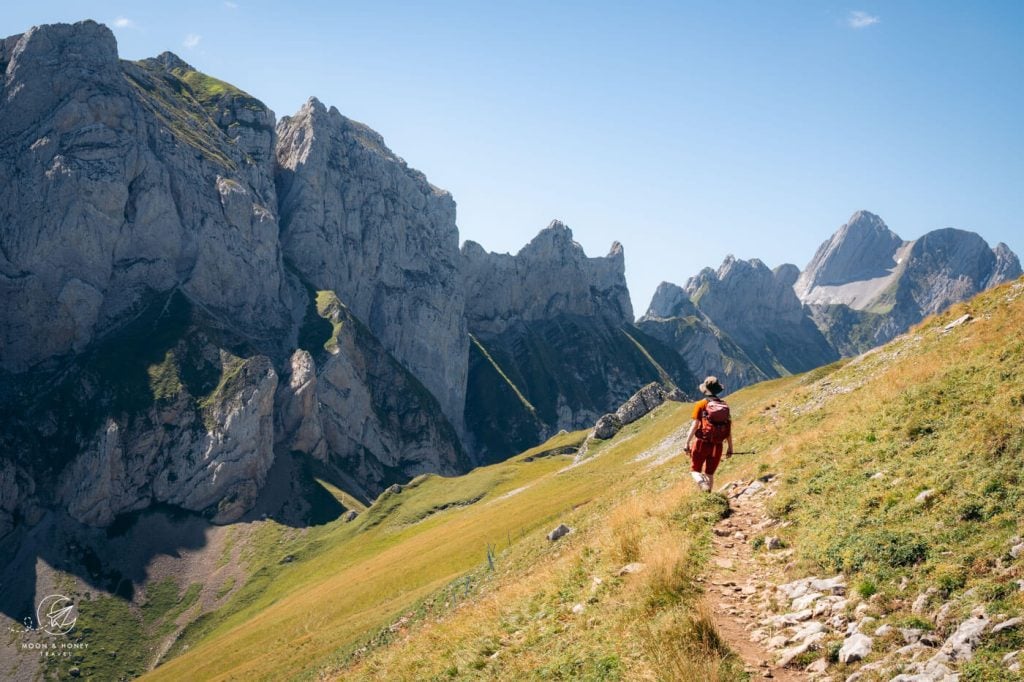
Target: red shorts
[(705, 456)]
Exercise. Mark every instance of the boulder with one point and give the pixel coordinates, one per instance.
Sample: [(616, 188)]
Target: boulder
[(560, 531), (640, 403), (961, 644), (607, 426), (855, 648)]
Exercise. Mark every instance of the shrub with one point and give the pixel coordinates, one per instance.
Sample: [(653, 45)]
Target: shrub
[(866, 588), (880, 547)]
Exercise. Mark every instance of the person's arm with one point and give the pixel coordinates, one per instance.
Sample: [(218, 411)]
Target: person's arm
[(689, 434)]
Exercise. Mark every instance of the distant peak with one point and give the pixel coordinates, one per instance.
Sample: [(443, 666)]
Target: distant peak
[(557, 224), (171, 61), (616, 251)]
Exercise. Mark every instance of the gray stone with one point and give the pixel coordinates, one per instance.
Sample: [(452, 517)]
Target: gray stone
[(350, 515), (634, 567), (560, 531), (1016, 550), (921, 602), (962, 320), (806, 601), (772, 542), (640, 403), (855, 648), (924, 496), (607, 426), (961, 644), (911, 635), (1010, 624)]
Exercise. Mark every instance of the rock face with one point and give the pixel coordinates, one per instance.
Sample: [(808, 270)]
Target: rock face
[(865, 285), (378, 423), (673, 319), (742, 323), (864, 252), (355, 219), (115, 474), (550, 276), (154, 298), (553, 346), (108, 190)]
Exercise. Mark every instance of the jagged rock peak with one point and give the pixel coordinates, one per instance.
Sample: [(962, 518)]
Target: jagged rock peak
[(315, 116), (171, 61), (550, 276), (1007, 265), (670, 300), (355, 219), (862, 249), (84, 51), (786, 273)]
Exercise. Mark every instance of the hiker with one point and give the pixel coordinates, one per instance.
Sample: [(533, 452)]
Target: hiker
[(710, 428)]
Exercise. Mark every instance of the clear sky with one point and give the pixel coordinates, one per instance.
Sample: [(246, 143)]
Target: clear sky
[(684, 130)]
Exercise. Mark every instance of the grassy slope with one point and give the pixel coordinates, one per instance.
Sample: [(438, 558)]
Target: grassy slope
[(900, 410)]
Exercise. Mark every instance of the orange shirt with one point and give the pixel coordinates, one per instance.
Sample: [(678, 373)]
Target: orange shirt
[(697, 407)]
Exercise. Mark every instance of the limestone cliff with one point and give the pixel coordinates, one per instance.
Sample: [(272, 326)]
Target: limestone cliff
[(118, 179), (758, 311), (153, 299), (673, 319), (888, 284), (355, 219), (553, 342)]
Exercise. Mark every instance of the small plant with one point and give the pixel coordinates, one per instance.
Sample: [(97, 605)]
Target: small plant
[(866, 588), (758, 543)]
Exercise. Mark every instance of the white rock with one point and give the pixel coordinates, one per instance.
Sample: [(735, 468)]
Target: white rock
[(961, 644), (1008, 624), (855, 648), (806, 601), (634, 567), (924, 496)]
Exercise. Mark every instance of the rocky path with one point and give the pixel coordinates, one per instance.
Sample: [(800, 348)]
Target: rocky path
[(739, 581), (810, 629)]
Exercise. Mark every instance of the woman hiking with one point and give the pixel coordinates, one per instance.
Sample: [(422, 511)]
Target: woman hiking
[(710, 429)]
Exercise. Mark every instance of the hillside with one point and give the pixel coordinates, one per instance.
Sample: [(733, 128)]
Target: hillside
[(453, 577)]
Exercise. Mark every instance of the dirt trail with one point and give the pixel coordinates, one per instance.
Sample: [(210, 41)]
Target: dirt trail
[(740, 582)]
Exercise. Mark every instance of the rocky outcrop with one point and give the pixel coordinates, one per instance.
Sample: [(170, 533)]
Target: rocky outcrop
[(553, 346), (212, 461), (145, 273), (355, 219), (673, 319), (863, 287), (743, 323), (116, 181), (380, 425), (550, 276)]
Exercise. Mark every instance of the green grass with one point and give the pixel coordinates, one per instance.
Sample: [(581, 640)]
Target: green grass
[(121, 639), (930, 411), (329, 307)]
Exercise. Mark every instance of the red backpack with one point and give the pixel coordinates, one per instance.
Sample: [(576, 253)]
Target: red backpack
[(715, 423)]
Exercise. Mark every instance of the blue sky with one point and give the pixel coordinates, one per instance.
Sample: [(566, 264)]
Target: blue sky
[(684, 130)]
